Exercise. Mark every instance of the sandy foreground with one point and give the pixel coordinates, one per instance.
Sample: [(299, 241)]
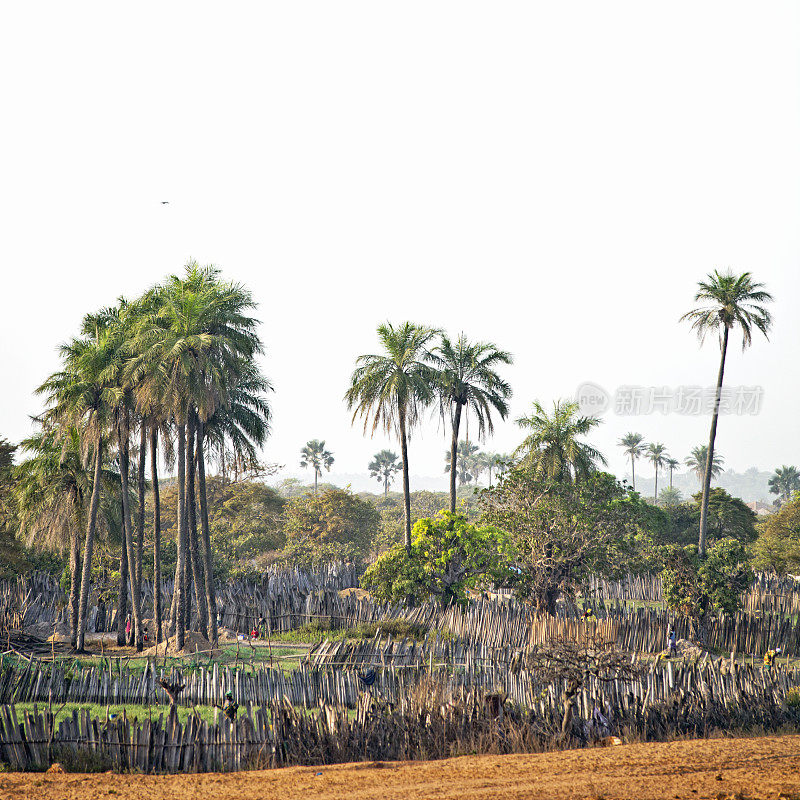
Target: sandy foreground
[(724, 769)]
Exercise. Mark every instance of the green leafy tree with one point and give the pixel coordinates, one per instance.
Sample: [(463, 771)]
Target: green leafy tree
[(728, 301), (12, 559), (553, 449), (316, 457), (633, 446), (698, 460), (384, 467), (448, 555), (696, 587), (656, 454), (784, 482), (728, 517), (392, 389), (467, 381), (777, 548), (335, 525), (561, 533)]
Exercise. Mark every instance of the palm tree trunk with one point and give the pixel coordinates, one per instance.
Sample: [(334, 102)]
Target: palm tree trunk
[(198, 578), (124, 582), (454, 456), (136, 596), (141, 487), (710, 456), (86, 576), (157, 612), (74, 568), (655, 488), (406, 488), (633, 474), (180, 598), (211, 599), (385, 485), (315, 481)]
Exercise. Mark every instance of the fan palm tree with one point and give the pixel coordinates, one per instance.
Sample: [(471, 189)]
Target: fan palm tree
[(671, 463), (633, 447), (784, 482), (393, 388), (553, 450), (728, 301), (384, 467), (656, 454), (468, 380), (52, 487), (315, 456), (697, 462)]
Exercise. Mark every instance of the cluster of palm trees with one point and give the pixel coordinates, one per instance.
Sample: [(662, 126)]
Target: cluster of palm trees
[(472, 462), (635, 447), (419, 367), (171, 373)]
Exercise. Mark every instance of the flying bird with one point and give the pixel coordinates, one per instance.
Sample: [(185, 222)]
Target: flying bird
[(165, 202)]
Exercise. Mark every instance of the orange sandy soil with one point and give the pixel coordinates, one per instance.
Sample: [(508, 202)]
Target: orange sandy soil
[(724, 769)]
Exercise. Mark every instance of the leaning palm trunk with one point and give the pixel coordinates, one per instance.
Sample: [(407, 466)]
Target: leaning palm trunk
[(180, 599), (211, 600), (198, 579), (136, 595), (157, 613), (710, 455), (86, 576), (406, 488), (454, 456)]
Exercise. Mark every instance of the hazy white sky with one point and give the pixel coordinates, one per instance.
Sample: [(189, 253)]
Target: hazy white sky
[(553, 177)]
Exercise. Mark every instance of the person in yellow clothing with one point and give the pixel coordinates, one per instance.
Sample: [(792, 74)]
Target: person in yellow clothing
[(769, 657)]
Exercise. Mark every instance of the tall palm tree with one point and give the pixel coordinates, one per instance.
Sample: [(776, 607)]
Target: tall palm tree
[(466, 453), (785, 481), (315, 455), (468, 379), (81, 396), (697, 462), (729, 301), (656, 454), (553, 449), (633, 446), (671, 463), (384, 467), (393, 388)]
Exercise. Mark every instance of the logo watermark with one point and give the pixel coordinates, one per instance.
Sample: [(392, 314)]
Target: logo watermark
[(630, 400)]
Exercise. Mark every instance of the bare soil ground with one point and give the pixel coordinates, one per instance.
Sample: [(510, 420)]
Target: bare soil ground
[(723, 769)]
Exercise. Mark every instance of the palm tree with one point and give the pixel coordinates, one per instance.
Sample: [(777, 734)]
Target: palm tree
[(315, 455), (384, 467), (52, 487), (670, 498), (784, 482), (465, 461), (393, 388), (698, 460), (468, 379), (81, 396), (633, 446), (656, 454), (729, 301), (671, 463), (553, 449)]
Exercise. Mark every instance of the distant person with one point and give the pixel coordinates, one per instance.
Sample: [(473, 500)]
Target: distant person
[(769, 657), (672, 650), (231, 707)]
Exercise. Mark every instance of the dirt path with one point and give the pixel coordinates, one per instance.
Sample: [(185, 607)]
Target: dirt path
[(723, 769)]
